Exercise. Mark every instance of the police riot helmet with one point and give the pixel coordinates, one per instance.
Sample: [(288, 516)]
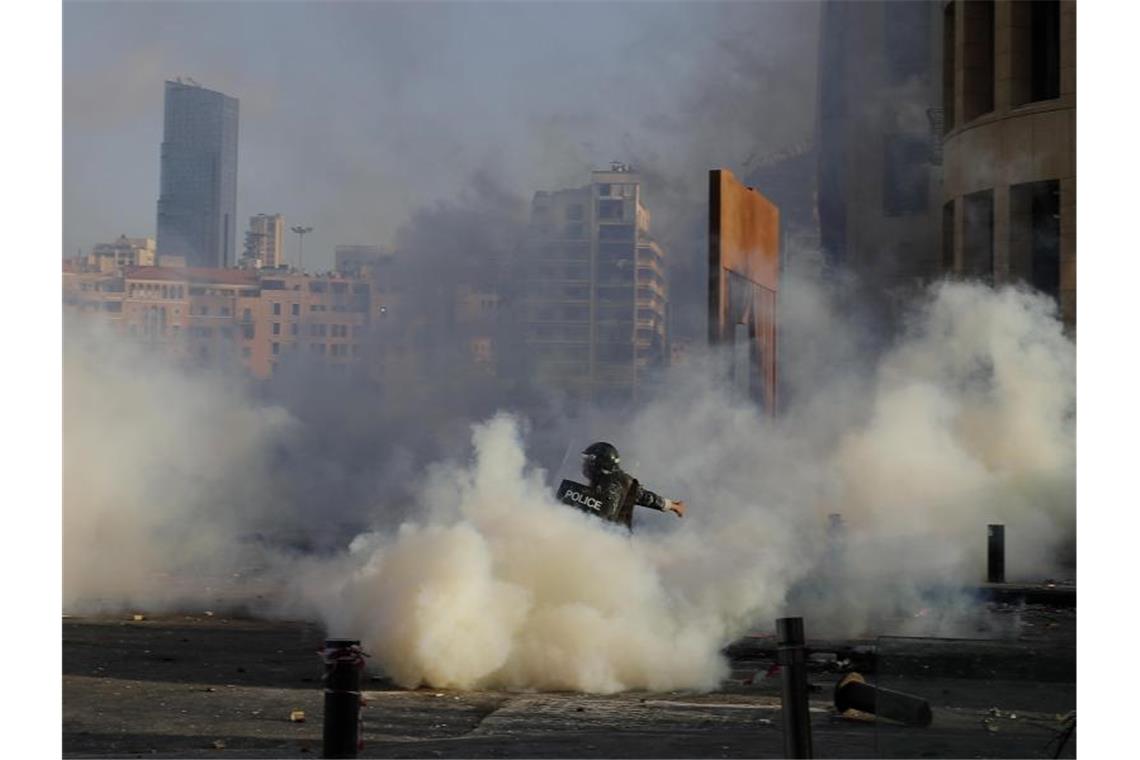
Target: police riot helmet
[(599, 460)]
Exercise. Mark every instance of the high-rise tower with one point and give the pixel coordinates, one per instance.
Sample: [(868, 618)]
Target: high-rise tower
[(594, 316), (197, 202)]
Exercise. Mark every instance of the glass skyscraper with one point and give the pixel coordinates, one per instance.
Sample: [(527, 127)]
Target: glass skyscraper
[(197, 201)]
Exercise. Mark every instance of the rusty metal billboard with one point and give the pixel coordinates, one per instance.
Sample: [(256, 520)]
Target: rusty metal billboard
[(744, 280)]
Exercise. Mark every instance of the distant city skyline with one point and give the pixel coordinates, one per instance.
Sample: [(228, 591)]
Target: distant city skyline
[(354, 115)]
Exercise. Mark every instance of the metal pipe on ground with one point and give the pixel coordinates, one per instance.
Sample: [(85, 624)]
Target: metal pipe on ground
[(343, 731), (791, 654), (852, 692), (995, 554)]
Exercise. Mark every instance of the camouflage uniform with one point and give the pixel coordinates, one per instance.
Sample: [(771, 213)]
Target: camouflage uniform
[(619, 494)]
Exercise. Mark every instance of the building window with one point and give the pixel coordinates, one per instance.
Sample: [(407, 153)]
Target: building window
[(978, 58), (247, 332), (246, 352), (949, 35), (611, 209), (296, 308), (276, 348), (246, 315), (276, 309), (905, 180), (1035, 51), (603, 190), (1035, 235), (293, 329), (1045, 26), (948, 237), (276, 328), (615, 232), (978, 235)]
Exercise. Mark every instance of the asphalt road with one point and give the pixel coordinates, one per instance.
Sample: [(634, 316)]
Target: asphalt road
[(198, 686)]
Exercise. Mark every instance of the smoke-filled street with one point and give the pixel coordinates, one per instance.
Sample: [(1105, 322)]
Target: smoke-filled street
[(569, 380)]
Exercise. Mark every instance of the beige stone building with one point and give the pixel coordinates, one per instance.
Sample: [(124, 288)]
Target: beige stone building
[(219, 316), (596, 292), (124, 252), (1009, 148)]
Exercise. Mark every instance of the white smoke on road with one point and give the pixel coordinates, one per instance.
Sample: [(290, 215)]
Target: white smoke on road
[(165, 469), (967, 419)]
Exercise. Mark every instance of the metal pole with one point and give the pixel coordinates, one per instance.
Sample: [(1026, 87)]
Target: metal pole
[(343, 732), (995, 555), (792, 657), (301, 232)]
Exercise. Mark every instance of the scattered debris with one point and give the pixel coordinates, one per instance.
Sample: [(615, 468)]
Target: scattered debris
[(996, 713), (297, 716), (219, 744), (137, 617), (209, 613)]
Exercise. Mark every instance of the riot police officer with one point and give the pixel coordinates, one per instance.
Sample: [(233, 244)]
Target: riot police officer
[(617, 490)]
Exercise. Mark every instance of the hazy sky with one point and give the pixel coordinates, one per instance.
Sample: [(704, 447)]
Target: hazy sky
[(353, 114)]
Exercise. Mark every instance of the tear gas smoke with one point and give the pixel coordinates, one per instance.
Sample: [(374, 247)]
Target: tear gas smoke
[(967, 419), (164, 471)]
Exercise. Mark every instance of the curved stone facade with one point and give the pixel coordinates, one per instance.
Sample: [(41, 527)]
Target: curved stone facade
[(1009, 149)]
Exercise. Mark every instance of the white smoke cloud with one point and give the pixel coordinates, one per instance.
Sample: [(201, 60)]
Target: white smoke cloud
[(967, 418), (163, 472)]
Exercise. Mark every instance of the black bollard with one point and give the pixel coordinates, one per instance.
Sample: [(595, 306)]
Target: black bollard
[(853, 692), (344, 664), (792, 657), (995, 556)]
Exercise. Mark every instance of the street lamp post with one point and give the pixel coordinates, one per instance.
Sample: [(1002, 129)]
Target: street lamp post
[(301, 232)]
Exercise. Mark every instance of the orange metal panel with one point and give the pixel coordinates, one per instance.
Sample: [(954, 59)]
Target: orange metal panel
[(744, 275)]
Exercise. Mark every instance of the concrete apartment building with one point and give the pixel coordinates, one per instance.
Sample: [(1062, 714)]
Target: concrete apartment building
[(197, 201), (594, 311), (265, 242), (1009, 149)]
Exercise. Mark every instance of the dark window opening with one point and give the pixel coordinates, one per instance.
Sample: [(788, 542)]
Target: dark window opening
[(611, 209), (948, 237), (1035, 51), (1035, 235), (978, 235), (1045, 30), (978, 58), (615, 232)]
